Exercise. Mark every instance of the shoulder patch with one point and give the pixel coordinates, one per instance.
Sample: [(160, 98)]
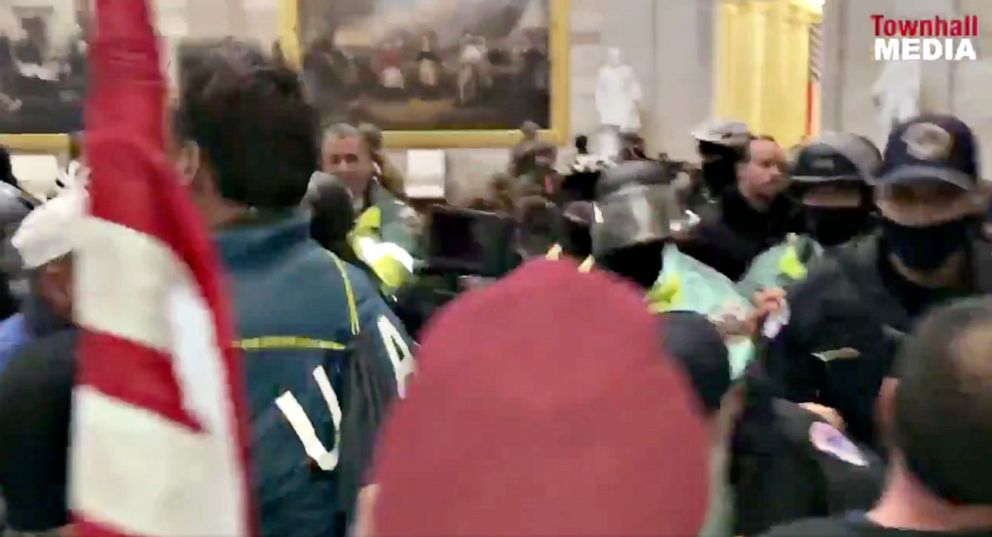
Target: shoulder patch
[(829, 440)]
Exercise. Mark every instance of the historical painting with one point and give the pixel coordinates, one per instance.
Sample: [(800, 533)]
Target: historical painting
[(42, 68), (439, 71)]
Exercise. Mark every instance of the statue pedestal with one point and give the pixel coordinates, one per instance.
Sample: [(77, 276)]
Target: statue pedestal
[(609, 143)]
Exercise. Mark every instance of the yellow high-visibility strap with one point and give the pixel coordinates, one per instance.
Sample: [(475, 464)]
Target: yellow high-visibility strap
[(287, 342), (665, 294), (356, 326), (790, 264), (587, 265), (556, 252)]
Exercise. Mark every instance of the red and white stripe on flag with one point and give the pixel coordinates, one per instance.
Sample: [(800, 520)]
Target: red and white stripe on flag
[(159, 442)]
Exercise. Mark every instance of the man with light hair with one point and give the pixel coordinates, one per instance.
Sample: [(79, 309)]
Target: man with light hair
[(384, 223)]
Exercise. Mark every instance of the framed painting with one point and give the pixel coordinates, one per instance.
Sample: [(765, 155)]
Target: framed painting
[(434, 73), (42, 73)]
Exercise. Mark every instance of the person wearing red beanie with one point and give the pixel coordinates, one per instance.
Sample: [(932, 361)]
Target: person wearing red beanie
[(542, 408)]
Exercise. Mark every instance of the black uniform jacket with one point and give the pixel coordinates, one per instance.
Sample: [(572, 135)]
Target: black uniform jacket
[(789, 464), (730, 234), (845, 322)]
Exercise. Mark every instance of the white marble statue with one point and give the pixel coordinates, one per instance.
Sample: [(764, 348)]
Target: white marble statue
[(618, 99), (897, 93)]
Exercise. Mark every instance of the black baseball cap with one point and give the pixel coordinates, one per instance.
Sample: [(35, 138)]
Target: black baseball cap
[(931, 147), (694, 342), (836, 157)]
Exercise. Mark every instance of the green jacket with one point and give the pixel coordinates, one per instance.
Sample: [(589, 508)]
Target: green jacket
[(780, 265), (385, 238), (397, 220), (686, 284)]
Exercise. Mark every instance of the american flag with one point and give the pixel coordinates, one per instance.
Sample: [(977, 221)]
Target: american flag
[(816, 51), (158, 444)]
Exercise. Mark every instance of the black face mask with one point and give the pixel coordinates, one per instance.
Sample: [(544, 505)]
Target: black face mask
[(926, 248), (641, 263), (831, 226)]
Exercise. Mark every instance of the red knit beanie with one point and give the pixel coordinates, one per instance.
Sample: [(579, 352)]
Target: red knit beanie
[(543, 408)]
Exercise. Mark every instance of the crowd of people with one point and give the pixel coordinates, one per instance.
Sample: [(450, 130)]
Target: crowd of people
[(776, 345)]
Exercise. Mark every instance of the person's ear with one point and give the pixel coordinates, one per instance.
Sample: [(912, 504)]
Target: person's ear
[(189, 162)]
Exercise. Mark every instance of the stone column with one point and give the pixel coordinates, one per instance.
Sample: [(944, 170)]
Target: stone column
[(684, 31)]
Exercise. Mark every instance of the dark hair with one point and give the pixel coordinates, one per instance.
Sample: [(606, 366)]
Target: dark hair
[(696, 345), (372, 135), (746, 150), (582, 144), (943, 409), (537, 221), (249, 118), (333, 215), (575, 235), (6, 169)]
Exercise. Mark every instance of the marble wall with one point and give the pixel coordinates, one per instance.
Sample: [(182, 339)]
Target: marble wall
[(961, 88)]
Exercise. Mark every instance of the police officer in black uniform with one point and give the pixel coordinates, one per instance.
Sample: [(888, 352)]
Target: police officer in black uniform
[(771, 461), (635, 203), (751, 215), (843, 323), (830, 181), (830, 178)]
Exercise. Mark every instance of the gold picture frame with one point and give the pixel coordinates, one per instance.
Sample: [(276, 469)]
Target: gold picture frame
[(559, 56), (57, 144)]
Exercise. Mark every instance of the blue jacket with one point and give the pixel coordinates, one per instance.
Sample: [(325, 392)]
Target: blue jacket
[(323, 356)]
